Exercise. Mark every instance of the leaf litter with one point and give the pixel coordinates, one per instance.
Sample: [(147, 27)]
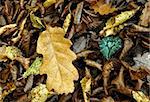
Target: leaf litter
[(74, 50)]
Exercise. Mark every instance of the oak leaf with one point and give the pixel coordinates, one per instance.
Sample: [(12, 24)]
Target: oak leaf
[(57, 60)]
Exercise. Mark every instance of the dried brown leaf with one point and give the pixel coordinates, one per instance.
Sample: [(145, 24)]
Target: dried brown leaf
[(103, 8), (119, 82), (145, 18), (127, 46), (93, 64), (6, 27), (108, 66)]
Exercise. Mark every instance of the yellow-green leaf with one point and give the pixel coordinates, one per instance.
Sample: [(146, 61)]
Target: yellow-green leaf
[(86, 85), (36, 21), (48, 3), (139, 96), (34, 68), (67, 22), (13, 53), (57, 60), (116, 21), (40, 93)]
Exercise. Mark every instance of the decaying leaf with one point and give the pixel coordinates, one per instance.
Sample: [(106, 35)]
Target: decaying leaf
[(84, 53), (93, 64), (48, 3), (108, 66), (119, 82), (29, 83), (103, 8), (109, 46), (40, 93), (13, 53), (6, 27), (67, 22), (145, 17), (7, 90), (127, 45), (117, 20), (140, 97), (86, 85), (34, 69), (57, 64), (36, 21), (142, 60), (78, 13)]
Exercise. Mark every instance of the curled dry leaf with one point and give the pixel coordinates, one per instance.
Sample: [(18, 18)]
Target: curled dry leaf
[(34, 69), (140, 97), (103, 8), (86, 86), (119, 82), (93, 64), (145, 17), (40, 93), (13, 53), (117, 20), (127, 45), (78, 13), (57, 64), (6, 27), (108, 66), (67, 22), (84, 53), (29, 83)]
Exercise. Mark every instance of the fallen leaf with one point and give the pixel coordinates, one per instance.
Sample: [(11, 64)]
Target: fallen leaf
[(142, 60), (67, 22), (34, 69), (29, 83), (84, 53), (86, 85), (40, 93), (10, 87), (48, 3), (57, 64), (119, 82), (103, 8), (145, 17), (78, 13), (117, 20), (128, 43), (109, 46), (13, 53), (6, 27), (140, 97), (108, 66), (93, 64), (36, 21)]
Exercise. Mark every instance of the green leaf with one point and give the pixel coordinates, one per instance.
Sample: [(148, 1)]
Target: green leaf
[(34, 68), (110, 45)]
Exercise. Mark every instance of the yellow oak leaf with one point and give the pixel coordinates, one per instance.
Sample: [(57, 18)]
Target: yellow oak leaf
[(102, 8), (57, 60)]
